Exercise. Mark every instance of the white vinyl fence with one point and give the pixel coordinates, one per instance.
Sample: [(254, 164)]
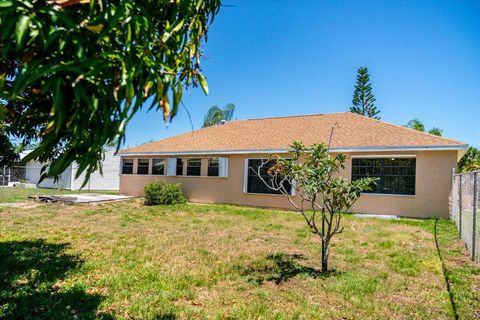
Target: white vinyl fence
[(464, 210), (9, 176)]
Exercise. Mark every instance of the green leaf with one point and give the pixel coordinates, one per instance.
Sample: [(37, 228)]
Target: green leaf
[(177, 97), (174, 29), (21, 30), (203, 82), (58, 103), (4, 4), (3, 112), (2, 80)]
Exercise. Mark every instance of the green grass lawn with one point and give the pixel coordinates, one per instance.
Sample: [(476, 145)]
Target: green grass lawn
[(8, 195), (127, 261)]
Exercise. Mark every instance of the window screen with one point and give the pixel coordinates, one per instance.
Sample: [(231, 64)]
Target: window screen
[(213, 167), (255, 183), (158, 166), (194, 167), (395, 175), (142, 166), (127, 166)]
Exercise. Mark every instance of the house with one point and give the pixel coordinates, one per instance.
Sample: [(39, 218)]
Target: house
[(108, 181), (212, 164)]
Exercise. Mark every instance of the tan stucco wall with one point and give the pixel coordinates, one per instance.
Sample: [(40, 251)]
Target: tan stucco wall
[(433, 185)]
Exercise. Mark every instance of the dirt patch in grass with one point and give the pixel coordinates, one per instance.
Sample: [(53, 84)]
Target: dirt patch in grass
[(20, 205)]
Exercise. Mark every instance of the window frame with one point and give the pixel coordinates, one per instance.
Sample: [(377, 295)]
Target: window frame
[(143, 166), (164, 162), (213, 168), (246, 176), (123, 165), (179, 161), (199, 160), (382, 175)]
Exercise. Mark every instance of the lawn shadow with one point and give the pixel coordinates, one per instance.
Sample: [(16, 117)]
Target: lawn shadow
[(280, 267), (167, 316), (30, 277)]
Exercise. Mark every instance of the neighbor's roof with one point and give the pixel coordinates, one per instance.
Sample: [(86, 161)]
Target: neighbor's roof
[(352, 133)]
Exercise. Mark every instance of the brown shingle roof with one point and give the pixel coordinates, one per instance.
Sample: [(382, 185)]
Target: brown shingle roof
[(352, 132)]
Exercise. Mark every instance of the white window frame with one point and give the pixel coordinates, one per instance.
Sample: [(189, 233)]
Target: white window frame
[(187, 166)]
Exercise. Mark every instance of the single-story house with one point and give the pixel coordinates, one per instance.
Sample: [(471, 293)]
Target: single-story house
[(213, 164), (30, 173)]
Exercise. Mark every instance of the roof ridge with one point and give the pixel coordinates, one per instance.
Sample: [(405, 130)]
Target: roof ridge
[(293, 116), (407, 128)]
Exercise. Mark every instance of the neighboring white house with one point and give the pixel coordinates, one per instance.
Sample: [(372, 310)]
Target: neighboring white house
[(108, 181)]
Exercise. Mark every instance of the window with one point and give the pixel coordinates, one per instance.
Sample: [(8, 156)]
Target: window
[(179, 167), (255, 183), (194, 167), (142, 166), (213, 167), (395, 175), (158, 166), (127, 166)]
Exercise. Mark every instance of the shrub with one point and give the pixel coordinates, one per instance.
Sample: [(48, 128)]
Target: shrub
[(158, 192)]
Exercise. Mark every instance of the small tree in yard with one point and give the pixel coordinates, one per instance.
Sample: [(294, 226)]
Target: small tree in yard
[(311, 173)]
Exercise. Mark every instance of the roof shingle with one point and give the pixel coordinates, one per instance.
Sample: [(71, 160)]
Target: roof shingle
[(352, 131)]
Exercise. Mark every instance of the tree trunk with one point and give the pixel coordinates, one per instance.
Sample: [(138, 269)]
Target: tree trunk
[(324, 266), (324, 246), (324, 256)]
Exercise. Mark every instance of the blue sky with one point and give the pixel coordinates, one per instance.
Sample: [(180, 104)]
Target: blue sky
[(278, 58)]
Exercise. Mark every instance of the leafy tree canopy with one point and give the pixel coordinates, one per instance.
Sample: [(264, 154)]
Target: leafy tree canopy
[(418, 125), (8, 155), (215, 115), (363, 99), (74, 72), (436, 131), (470, 160)]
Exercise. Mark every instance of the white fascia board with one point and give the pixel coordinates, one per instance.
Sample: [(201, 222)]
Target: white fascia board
[(374, 156), (403, 148), (215, 152), (271, 151)]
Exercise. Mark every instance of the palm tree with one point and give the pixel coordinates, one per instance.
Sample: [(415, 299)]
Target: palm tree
[(436, 131), (416, 124), (215, 115)]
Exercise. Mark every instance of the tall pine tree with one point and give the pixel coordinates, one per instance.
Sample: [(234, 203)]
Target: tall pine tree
[(363, 100)]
